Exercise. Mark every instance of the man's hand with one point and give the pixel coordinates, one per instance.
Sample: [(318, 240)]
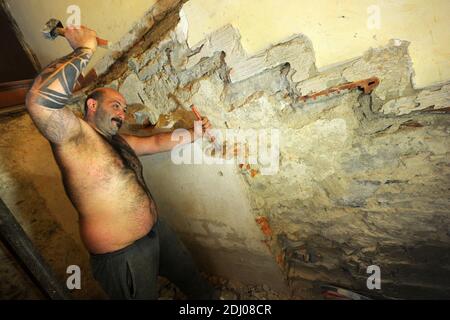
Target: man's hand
[(206, 125), (81, 37), (163, 141)]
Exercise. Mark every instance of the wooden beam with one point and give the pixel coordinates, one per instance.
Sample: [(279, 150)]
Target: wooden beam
[(14, 93), (33, 58), (12, 233)]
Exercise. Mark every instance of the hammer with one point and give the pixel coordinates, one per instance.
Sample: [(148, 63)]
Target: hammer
[(54, 28)]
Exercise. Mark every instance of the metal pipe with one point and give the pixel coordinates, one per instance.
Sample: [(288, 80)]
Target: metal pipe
[(12, 233)]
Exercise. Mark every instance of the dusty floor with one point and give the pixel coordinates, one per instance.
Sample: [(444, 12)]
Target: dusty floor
[(229, 290)]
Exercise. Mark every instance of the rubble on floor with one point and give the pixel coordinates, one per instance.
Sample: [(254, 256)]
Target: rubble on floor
[(229, 290)]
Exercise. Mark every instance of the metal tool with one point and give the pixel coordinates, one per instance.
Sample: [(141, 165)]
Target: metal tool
[(54, 28), (367, 85)]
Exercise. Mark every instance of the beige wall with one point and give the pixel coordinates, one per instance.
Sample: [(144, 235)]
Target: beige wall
[(111, 20), (208, 207), (338, 28), (32, 188)]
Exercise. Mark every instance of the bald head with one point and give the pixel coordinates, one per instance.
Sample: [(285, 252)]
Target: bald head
[(105, 108), (100, 94)]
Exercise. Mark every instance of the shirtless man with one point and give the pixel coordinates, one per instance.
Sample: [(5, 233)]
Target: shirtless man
[(102, 176)]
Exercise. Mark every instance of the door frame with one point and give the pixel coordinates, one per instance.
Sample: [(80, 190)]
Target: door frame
[(12, 94)]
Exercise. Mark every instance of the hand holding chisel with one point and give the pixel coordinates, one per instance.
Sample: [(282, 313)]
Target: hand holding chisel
[(211, 137)]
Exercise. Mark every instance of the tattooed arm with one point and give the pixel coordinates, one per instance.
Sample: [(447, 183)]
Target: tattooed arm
[(53, 88)]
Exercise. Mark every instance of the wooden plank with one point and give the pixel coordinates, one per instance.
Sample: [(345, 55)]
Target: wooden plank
[(15, 237), (17, 34), (14, 93)]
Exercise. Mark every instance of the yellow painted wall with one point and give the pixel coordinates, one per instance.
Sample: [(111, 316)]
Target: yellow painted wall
[(338, 28), (110, 18)]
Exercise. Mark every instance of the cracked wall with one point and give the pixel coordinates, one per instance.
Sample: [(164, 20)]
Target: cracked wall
[(363, 179), (339, 30)]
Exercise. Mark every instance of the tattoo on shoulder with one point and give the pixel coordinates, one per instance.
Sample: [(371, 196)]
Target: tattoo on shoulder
[(64, 72)]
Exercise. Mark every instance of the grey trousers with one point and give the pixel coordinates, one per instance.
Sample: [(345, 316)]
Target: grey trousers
[(132, 272)]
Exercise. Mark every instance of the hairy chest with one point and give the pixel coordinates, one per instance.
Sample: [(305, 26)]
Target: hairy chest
[(101, 164)]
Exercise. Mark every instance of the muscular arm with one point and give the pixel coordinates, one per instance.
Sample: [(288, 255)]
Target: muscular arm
[(50, 93), (53, 87), (163, 141), (160, 142)]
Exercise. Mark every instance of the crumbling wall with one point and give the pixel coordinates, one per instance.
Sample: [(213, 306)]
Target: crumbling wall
[(362, 180)]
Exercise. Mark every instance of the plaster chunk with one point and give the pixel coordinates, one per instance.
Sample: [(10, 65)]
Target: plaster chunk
[(133, 91), (203, 67), (298, 52), (158, 90), (403, 105), (269, 81), (261, 113), (152, 68), (325, 79), (437, 99), (431, 98), (226, 39), (391, 64)]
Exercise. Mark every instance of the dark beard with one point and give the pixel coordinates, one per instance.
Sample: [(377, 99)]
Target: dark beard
[(104, 122)]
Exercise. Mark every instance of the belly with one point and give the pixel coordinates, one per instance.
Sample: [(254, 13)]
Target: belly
[(111, 232), (114, 212)]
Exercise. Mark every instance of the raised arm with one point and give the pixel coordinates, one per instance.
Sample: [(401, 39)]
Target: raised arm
[(46, 101)]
